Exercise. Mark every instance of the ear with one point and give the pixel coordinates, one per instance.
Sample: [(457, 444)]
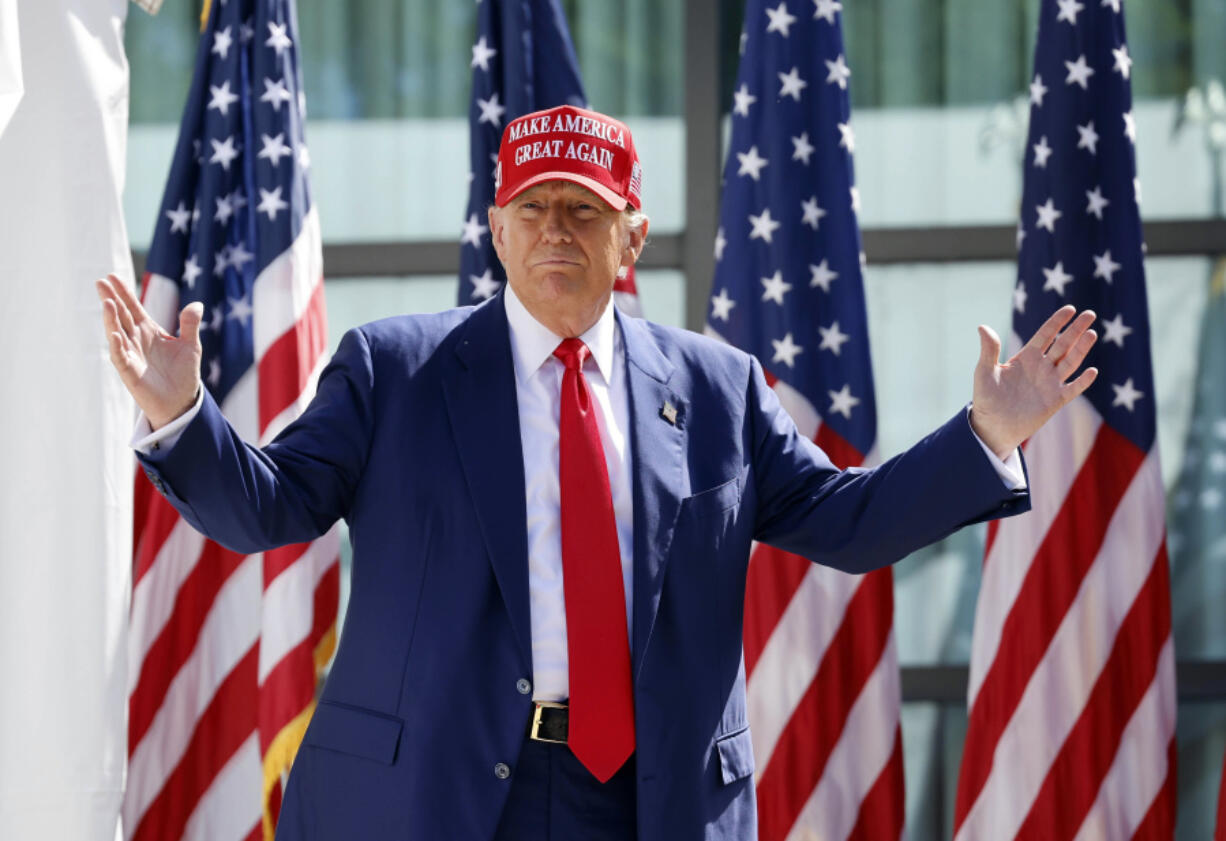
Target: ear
[(497, 231), (635, 239)]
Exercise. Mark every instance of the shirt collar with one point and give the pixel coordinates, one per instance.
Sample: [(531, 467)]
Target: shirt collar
[(532, 343)]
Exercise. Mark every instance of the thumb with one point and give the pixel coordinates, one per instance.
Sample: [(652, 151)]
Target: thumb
[(189, 322), (989, 347)]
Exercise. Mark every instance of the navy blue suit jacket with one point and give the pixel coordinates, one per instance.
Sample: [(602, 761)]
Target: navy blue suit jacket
[(413, 438)]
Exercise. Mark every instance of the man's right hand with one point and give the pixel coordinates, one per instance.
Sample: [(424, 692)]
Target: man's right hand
[(161, 371)]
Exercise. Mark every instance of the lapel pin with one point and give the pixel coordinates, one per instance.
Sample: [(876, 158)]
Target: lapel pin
[(669, 413)]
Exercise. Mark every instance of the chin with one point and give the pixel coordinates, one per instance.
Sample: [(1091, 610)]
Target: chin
[(554, 283)]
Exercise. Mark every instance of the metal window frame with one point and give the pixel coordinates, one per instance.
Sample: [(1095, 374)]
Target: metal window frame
[(690, 252)]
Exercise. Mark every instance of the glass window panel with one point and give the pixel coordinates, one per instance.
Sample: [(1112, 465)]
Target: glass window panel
[(662, 293), (387, 85), (353, 302), (922, 769), (962, 164), (161, 51), (1201, 740), (941, 119), (630, 55)]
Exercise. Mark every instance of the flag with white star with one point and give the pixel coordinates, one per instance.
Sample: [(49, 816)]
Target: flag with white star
[(522, 61), (226, 649), (788, 288), (1072, 692)]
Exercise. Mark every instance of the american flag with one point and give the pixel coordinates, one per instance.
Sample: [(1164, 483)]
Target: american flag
[(225, 649), (1072, 678), (820, 657), (523, 61)]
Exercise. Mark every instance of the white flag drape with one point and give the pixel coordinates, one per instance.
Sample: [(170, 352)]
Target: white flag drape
[(66, 498), (10, 62)]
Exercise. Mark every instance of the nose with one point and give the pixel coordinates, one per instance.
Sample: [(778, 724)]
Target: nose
[(555, 227)]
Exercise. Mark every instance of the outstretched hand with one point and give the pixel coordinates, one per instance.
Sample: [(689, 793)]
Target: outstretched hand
[(161, 371), (1011, 401)]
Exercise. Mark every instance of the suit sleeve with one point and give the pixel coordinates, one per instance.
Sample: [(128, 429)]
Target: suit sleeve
[(250, 499), (858, 520)]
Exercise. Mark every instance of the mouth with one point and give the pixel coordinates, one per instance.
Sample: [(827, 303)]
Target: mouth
[(555, 261)]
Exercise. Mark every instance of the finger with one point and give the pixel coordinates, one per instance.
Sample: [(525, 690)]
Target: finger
[(114, 328), (1043, 337), (108, 289), (103, 287), (1069, 336), (189, 322), (120, 358), (989, 347), (110, 317), (1078, 386), (1072, 360), (126, 322), (114, 343), (130, 301)]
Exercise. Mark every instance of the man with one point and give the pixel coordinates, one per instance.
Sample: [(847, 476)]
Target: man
[(551, 507)]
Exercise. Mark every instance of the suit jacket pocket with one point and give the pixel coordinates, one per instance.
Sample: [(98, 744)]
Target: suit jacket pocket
[(735, 756), (355, 731), (715, 500)]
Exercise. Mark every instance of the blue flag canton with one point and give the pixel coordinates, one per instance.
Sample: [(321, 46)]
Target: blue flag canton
[(788, 285), (237, 192), (522, 61), (1080, 230)]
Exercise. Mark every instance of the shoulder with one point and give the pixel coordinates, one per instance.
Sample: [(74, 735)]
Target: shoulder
[(697, 360), (397, 345), (403, 339), (389, 334)]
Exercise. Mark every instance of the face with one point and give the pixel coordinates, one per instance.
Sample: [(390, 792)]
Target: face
[(562, 247)]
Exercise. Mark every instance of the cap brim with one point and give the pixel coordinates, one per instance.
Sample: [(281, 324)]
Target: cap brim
[(609, 197)]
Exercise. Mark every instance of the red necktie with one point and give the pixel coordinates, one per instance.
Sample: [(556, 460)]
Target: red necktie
[(601, 727)]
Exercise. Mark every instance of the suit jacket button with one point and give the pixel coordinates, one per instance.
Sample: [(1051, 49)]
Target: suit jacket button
[(523, 685), (502, 770)]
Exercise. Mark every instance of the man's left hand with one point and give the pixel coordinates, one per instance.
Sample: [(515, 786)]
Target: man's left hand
[(1011, 401)]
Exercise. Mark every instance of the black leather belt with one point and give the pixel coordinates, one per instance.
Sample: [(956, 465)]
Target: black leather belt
[(550, 722)]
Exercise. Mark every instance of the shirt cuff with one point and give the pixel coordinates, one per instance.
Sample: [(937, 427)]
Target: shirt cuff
[(145, 440), (1010, 470)]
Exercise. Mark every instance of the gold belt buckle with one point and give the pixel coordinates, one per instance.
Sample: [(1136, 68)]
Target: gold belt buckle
[(535, 732)]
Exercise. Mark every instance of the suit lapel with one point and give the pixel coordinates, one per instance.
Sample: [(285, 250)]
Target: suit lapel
[(657, 452), (479, 390)]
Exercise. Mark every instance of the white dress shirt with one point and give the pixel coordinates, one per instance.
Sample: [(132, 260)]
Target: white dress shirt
[(538, 384)]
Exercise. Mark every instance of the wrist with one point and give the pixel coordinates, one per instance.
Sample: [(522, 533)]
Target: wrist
[(159, 419), (988, 432)]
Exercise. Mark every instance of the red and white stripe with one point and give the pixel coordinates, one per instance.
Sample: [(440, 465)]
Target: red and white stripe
[(1072, 678), (225, 649), (823, 684), (1220, 833)]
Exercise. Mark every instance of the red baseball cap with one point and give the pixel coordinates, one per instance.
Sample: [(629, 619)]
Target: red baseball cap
[(570, 144)]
